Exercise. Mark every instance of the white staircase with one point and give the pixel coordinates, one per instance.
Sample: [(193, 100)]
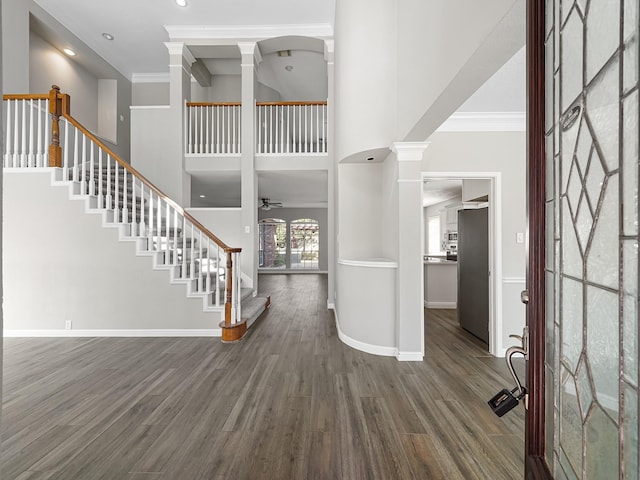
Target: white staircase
[(125, 201)]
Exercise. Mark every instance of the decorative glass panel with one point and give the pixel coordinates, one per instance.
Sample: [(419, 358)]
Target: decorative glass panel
[(603, 34), (602, 446), (571, 67), (592, 271), (603, 345)]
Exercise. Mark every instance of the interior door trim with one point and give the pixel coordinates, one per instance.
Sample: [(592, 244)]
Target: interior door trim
[(535, 465)]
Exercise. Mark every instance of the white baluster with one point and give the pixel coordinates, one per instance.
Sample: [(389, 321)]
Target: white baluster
[(30, 155), (208, 130), (277, 120), (23, 149), (324, 135), (192, 254), (200, 260), (216, 266), (125, 197), (116, 184), (168, 232), (141, 230), (76, 173), (217, 109), (208, 265), (159, 223), (92, 178), (100, 172), (8, 160), (258, 128), (183, 268), (16, 138), (109, 202), (150, 245), (288, 131), (306, 141), (234, 127), (47, 129), (189, 129), (83, 180), (134, 207), (39, 146)]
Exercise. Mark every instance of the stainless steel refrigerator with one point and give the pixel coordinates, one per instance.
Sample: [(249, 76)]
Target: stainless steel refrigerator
[(473, 272)]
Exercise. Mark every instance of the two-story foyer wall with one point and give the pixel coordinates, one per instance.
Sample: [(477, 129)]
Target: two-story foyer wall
[(291, 214), (47, 66)]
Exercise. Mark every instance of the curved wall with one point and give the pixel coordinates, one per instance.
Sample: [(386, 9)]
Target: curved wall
[(365, 57)]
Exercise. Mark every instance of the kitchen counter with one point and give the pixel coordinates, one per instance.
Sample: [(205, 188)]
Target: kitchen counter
[(437, 260), (440, 282)]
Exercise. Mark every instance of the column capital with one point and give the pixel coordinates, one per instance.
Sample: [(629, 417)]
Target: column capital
[(181, 49), (329, 50), (250, 50), (409, 151)]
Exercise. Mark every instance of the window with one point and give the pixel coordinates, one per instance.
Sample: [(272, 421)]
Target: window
[(433, 231), (305, 235), (272, 237)]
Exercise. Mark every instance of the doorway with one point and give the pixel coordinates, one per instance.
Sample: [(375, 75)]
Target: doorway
[(495, 343)]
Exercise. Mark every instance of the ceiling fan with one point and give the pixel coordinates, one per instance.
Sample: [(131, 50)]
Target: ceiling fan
[(267, 204)]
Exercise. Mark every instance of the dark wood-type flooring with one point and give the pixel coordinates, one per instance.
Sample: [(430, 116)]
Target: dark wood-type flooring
[(290, 401)]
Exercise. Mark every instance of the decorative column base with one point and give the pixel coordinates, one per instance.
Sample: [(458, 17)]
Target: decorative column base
[(234, 332)]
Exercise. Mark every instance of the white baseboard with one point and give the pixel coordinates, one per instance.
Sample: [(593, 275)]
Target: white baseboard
[(410, 356), (215, 332), (364, 347), (449, 305)]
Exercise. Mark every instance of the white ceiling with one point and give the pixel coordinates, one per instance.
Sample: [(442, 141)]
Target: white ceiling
[(139, 25)]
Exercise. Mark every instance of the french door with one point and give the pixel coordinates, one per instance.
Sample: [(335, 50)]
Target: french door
[(583, 137)]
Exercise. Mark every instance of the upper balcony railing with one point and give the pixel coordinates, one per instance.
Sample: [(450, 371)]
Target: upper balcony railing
[(213, 128), (291, 127), (281, 128)]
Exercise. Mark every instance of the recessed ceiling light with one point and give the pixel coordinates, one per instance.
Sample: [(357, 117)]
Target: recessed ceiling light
[(370, 159), (181, 3), (69, 52), (203, 196), (108, 36), (288, 68)]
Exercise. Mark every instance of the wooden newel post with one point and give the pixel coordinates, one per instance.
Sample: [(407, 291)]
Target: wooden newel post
[(229, 298), (58, 104)]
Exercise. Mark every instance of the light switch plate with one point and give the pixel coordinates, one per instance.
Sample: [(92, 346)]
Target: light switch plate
[(520, 237)]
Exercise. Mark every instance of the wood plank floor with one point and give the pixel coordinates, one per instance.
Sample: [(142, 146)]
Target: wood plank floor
[(290, 401)]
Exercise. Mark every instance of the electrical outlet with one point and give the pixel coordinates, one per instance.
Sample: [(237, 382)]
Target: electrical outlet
[(247, 229), (67, 325)]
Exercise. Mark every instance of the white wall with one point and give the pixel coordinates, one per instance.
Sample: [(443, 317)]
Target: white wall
[(48, 66), (155, 93), (61, 264), (15, 46), (224, 223), (360, 211), (228, 88), (475, 188), (151, 140), (503, 152)]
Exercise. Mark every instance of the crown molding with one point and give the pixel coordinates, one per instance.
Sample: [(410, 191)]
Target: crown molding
[(150, 78), (181, 32), (485, 122)]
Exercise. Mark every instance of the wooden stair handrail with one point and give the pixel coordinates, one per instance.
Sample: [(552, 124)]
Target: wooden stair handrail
[(214, 104), (24, 96), (142, 178)]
